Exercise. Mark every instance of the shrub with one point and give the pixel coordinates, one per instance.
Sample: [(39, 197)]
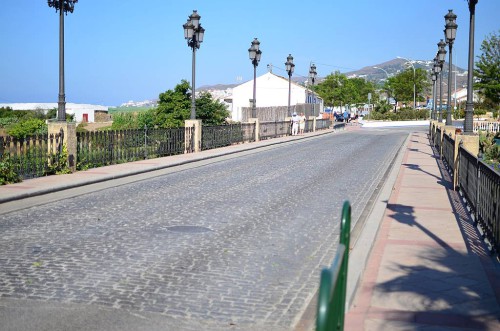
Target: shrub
[(8, 174), (59, 163), (26, 128)]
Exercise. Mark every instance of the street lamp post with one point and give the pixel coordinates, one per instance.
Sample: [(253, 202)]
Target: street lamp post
[(436, 71), (433, 77), (255, 54), (193, 33), (386, 73), (469, 106), (414, 83), (312, 77), (63, 6), (450, 33), (441, 57), (289, 65)]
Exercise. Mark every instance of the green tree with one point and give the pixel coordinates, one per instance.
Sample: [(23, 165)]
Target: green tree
[(488, 70), (338, 90), (174, 107), (210, 111), (401, 85)]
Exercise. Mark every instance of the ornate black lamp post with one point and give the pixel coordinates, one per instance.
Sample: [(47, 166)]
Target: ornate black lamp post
[(193, 33), (255, 53), (441, 56), (312, 77), (450, 32), (469, 106), (436, 70), (289, 68), (433, 77), (63, 6)]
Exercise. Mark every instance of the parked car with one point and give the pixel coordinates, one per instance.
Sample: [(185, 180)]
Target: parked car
[(338, 117)]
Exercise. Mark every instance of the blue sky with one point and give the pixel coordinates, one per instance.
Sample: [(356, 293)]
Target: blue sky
[(117, 51)]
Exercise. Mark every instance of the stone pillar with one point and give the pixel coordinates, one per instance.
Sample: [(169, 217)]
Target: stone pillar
[(314, 124), (197, 133), (471, 144), (257, 127), (449, 129), (69, 140)]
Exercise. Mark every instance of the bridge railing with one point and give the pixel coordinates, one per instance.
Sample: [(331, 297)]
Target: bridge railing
[(333, 282), (449, 150), (478, 182)]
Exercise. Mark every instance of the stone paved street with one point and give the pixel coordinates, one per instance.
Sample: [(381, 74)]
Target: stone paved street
[(234, 243)]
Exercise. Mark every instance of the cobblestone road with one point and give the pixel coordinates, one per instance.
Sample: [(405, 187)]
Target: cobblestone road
[(237, 243)]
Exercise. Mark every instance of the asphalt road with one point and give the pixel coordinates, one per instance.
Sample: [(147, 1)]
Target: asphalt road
[(235, 243)]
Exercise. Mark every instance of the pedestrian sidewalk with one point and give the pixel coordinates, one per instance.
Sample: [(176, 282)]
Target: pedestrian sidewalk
[(428, 269)]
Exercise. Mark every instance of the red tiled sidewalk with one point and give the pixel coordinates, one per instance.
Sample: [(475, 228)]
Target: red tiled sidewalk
[(428, 269)]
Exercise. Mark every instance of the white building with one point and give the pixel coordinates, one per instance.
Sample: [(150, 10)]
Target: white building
[(82, 112), (461, 95), (271, 91)]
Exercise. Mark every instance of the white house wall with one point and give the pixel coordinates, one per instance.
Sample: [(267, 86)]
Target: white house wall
[(271, 90), (77, 109)]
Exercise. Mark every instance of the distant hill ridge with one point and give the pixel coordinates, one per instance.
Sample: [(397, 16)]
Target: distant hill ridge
[(392, 67)]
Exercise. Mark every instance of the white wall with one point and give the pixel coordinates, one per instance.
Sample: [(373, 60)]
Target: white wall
[(271, 90), (78, 109)]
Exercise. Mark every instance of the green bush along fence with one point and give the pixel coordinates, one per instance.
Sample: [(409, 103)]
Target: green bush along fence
[(30, 156)]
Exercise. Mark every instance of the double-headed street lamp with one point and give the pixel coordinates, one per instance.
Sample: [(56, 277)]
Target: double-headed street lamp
[(63, 6), (414, 82), (450, 32), (289, 68), (255, 54), (441, 55), (469, 106), (193, 33), (385, 71), (312, 77)]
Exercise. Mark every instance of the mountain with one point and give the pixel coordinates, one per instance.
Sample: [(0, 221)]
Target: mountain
[(395, 66), (392, 67), (216, 87)]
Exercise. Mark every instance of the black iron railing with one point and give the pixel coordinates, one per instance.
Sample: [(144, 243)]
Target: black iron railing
[(269, 130), (224, 135), (448, 151), (488, 204), (323, 124), (100, 148), (437, 141), (30, 156), (467, 176), (480, 186)]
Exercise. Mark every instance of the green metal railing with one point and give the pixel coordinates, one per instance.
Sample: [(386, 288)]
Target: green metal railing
[(333, 283)]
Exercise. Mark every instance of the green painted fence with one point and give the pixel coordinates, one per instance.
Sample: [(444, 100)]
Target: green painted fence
[(333, 282)]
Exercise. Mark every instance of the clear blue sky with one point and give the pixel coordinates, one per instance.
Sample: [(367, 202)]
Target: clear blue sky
[(132, 49)]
